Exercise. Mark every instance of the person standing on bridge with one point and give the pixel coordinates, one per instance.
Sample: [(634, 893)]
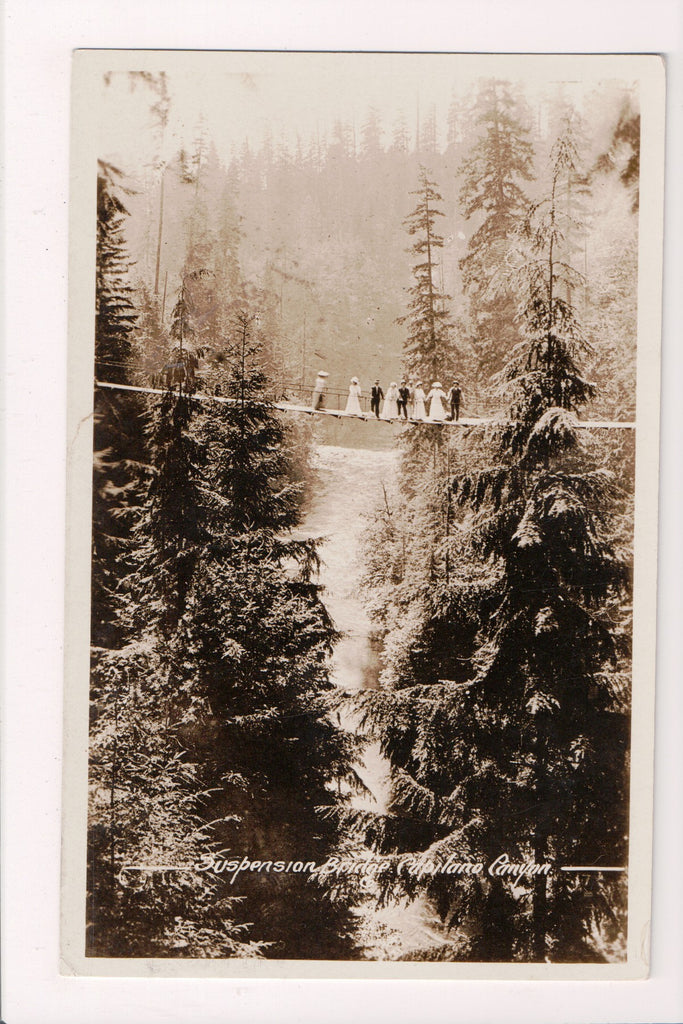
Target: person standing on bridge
[(353, 403), (419, 411), (437, 413), (402, 401), (390, 410), (454, 396), (411, 398), (318, 400), (376, 396)]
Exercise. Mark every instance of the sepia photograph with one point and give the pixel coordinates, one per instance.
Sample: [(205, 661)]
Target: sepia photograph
[(364, 360)]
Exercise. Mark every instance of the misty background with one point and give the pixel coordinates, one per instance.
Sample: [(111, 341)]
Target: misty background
[(296, 184)]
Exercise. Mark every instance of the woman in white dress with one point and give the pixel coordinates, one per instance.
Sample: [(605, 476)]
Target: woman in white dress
[(353, 403), (390, 408), (419, 411), (436, 397)]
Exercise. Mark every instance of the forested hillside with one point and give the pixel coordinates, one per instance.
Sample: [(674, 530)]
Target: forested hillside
[(209, 726), (499, 581), (498, 248), (318, 226)]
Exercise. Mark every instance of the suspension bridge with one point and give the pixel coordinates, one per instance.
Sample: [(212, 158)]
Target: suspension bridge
[(295, 407)]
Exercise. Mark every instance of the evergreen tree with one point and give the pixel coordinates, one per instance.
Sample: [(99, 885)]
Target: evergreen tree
[(260, 637), (400, 135), (210, 726), (118, 433), (371, 135), (151, 337), (147, 833), (546, 707), (145, 798), (174, 531), (624, 151), (611, 254), (455, 122), (115, 314), (429, 133), (187, 318), (428, 349), (491, 193), (512, 736), (212, 288)]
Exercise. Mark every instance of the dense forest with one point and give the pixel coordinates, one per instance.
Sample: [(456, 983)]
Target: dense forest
[(296, 222), (499, 248)]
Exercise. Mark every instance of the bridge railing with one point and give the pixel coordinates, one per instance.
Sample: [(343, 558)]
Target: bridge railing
[(302, 394), (207, 394)]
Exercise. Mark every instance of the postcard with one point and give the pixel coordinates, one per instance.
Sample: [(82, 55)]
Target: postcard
[(362, 524)]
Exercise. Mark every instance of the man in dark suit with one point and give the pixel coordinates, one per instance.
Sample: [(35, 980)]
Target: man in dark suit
[(454, 396), (376, 396), (402, 401)]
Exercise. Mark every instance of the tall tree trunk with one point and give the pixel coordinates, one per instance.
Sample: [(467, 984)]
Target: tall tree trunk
[(161, 225)]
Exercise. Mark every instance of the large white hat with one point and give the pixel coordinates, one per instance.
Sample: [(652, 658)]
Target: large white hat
[(436, 384), (323, 373)]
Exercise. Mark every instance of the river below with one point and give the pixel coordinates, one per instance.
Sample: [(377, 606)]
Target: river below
[(348, 490)]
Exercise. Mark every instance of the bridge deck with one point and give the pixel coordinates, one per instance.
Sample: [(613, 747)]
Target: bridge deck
[(464, 421)]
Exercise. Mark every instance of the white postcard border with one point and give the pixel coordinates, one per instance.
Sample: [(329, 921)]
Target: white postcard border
[(37, 52)]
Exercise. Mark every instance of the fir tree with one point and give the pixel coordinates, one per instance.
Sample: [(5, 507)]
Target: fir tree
[(211, 727), (546, 706), (371, 135), (174, 530), (512, 736), (611, 298), (428, 349), (145, 797), (212, 288), (400, 135), (455, 122), (147, 834), (151, 338), (429, 133), (118, 435), (115, 314), (491, 193), (186, 319), (260, 637), (624, 151)]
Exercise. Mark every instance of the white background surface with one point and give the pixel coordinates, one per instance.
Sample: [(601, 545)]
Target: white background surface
[(38, 38)]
